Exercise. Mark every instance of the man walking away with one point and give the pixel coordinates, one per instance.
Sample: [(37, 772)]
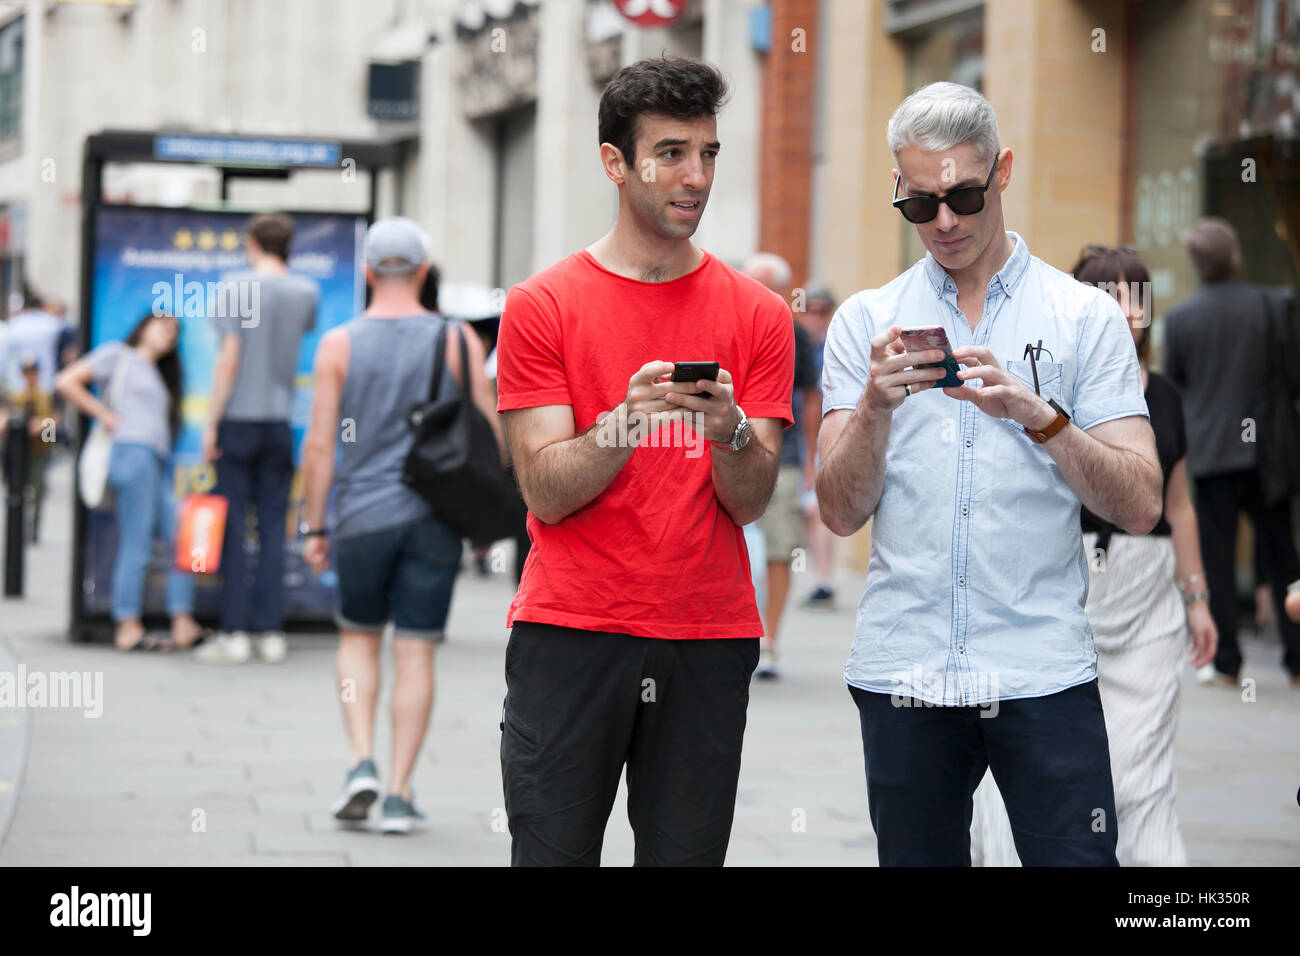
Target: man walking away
[(396, 560), (1217, 352), (248, 436)]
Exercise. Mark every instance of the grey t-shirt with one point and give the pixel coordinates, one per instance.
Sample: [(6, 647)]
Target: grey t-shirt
[(284, 308), (136, 392)]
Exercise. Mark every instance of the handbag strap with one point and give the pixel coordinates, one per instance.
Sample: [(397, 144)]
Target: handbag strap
[(439, 353), (464, 367)]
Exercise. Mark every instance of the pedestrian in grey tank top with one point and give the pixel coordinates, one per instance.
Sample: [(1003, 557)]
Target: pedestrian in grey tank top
[(396, 560)]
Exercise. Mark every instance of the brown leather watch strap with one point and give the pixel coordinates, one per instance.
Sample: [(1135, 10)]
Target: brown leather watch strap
[(1056, 424)]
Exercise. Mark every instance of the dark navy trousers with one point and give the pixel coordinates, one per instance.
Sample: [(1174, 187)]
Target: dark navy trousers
[(1049, 756), (255, 468)]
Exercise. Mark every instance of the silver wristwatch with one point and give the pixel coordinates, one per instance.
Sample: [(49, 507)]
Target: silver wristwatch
[(740, 437)]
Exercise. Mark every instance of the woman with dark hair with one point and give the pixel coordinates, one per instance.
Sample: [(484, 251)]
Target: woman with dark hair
[(140, 406), (1146, 594)]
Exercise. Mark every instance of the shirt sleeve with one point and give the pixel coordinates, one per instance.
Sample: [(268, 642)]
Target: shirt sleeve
[(312, 308), (530, 356), (103, 359), (769, 382), (1173, 362), (1108, 381), (846, 362)]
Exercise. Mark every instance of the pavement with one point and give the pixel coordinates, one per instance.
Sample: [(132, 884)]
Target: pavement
[(236, 766)]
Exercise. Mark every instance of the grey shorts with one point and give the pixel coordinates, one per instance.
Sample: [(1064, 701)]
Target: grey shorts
[(782, 522)]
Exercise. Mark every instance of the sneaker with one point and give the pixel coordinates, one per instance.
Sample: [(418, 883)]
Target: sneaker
[(272, 648), (233, 648), (360, 791), (766, 669), (1210, 675), (823, 599), (400, 815)]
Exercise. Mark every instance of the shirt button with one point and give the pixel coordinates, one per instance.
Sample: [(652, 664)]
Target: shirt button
[(965, 510), (961, 648), (968, 442), (961, 582)]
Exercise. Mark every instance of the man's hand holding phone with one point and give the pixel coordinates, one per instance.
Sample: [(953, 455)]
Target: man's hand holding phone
[(714, 398), (893, 372), (1001, 394)]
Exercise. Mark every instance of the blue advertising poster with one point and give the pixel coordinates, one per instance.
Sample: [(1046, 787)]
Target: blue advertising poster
[(166, 259)]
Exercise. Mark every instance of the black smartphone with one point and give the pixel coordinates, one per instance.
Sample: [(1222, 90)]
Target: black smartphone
[(694, 371)]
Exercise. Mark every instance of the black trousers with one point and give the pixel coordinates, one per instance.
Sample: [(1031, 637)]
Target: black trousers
[(581, 704), (1049, 755), (1219, 501)]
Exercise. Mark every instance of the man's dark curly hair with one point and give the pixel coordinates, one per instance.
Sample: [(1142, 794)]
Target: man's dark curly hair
[(674, 86)]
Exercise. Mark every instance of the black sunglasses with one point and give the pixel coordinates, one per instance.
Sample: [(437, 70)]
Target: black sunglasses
[(964, 202)]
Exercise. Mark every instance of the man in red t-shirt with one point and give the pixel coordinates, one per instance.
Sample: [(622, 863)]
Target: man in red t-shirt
[(635, 630)]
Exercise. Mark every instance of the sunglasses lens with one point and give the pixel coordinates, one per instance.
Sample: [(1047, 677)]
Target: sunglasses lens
[(919, 208), (966, 202)]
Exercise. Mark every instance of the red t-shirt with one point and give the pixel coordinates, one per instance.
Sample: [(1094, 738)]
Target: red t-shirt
[(655, 554)]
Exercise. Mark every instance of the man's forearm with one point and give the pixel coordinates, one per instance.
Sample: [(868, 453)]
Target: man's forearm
[(743, 480), (567, 475), (852, 473), (1118, 484), (318, 475), (223, 383)]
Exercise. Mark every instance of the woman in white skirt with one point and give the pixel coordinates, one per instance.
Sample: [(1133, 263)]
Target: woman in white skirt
[(1144, 595)]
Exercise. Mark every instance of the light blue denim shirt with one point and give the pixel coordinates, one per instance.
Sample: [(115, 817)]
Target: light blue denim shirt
[(978, 576)]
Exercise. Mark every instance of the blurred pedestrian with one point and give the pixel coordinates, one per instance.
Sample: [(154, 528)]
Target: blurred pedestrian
[(35, 407), (32, 333), (634, 630), (816, 319), (1146, 597), (248, 437), (782, 521), (1219, 346), (396, 560), (140, 406), (974, 598)]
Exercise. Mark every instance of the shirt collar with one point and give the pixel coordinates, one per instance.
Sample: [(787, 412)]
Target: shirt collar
[(1008, 276)]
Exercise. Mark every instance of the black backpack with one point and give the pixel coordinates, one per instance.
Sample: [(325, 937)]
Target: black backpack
[(454, 463)]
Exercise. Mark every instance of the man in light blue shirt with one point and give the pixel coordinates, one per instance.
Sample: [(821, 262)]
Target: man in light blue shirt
[(971, 648)]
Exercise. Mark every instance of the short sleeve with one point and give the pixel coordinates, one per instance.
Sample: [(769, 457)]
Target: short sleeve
[(530, 356), (846, 362), (1108, 381), (769, 381), (103, 359), (226, 324), (1179, 423), (805, 363)]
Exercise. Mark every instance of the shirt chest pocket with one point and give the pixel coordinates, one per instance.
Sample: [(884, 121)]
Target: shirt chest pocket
[(1050, 379)]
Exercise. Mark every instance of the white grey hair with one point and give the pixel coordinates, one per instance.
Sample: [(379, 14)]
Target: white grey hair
[(781, 272), (943, 115)]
